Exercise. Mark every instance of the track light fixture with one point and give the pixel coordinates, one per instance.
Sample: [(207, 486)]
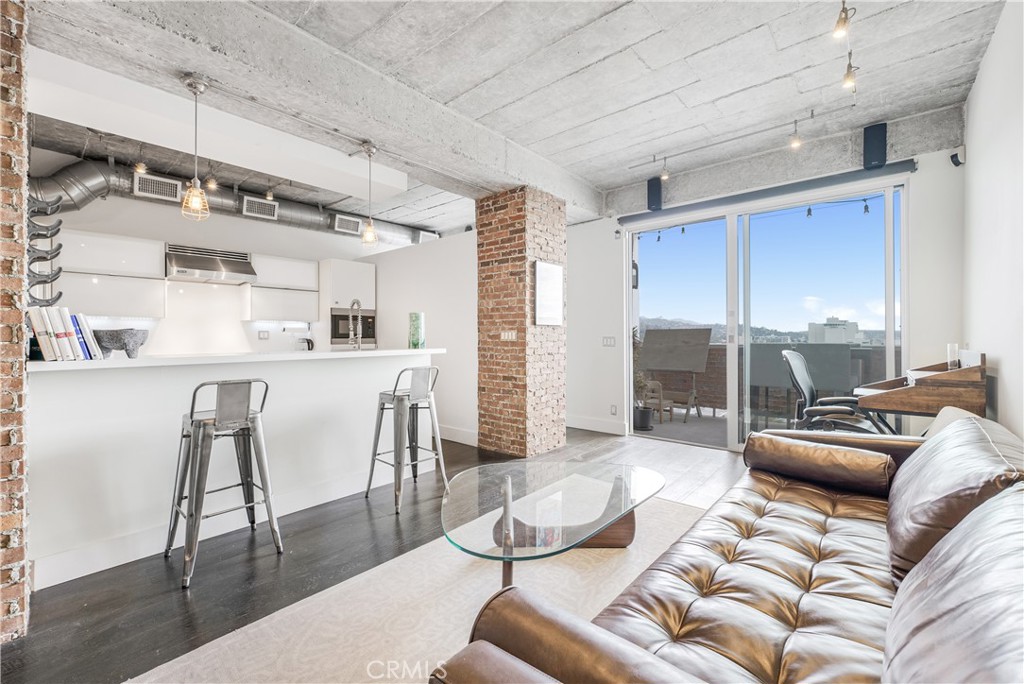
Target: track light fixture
[(850, 78), (867, 209), (794, 138), (843, 22), (809, 212)]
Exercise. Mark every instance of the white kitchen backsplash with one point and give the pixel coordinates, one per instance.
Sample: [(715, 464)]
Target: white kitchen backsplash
[(206, 318)]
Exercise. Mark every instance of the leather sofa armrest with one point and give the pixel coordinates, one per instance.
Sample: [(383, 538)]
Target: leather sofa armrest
[(899, 447), (856, 470), (481, 662), (565, 646)]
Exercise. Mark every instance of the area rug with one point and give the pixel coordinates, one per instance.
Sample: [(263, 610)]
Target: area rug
[(397, 621)]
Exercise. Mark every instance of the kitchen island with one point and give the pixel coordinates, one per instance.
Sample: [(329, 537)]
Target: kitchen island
[(104, 438)]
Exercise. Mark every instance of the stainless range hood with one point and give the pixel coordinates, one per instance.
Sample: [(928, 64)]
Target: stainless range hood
[(202, 265)]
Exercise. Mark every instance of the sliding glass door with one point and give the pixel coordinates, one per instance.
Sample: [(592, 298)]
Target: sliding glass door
[(820, 277)]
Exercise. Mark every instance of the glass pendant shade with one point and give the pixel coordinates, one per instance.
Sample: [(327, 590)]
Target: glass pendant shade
[(195, 207), (850, 78), (369, 234)]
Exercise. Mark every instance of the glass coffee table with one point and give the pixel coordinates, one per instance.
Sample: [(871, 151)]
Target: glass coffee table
[(524, 510)]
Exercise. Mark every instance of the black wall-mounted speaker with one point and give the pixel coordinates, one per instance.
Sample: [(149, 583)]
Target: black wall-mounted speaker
[(654, 194), (874, 146)]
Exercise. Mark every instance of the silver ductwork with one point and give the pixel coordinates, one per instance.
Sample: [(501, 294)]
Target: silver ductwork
[(82, 182)]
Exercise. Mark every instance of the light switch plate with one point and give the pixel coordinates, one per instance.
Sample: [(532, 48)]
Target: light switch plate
[(508, 335), (607, 341), (264, 334)]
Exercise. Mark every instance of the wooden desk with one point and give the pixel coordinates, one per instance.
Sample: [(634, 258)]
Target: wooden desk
[(934, 387)]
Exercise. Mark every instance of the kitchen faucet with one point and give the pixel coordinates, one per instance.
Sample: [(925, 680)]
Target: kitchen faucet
[(355, 334)]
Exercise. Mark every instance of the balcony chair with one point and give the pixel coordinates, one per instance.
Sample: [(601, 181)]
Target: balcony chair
[(827, 413)]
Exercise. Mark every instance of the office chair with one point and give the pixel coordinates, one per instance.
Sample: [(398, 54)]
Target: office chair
[(826, 413)]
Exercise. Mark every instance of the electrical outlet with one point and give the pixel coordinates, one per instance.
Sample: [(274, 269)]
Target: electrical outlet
[(615, 410), (264, 334), (607, 341)]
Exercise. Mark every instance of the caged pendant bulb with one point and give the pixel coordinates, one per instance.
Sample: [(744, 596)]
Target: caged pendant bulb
[(194, 206)]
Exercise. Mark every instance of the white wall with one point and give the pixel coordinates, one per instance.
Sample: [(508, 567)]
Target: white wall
[(439, 279), (934, 249), (596, 308), (993, 216)]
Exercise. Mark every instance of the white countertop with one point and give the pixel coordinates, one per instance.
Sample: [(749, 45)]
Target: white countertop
[(121, 361)]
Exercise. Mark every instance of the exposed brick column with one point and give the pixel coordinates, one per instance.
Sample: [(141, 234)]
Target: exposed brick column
[(521, 389), (14, 582)]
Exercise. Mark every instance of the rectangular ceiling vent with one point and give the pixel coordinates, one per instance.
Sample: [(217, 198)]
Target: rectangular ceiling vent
[(350, 225), (425, 236), (259, 208), (155, 187)]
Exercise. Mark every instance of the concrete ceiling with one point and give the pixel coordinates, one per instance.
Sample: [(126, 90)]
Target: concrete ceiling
[(471, 97)]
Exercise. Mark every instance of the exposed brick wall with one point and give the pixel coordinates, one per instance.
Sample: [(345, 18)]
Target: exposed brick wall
[(521, 388), (14, 583)]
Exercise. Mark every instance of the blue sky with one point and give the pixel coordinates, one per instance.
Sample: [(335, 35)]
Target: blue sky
[(802, 269)]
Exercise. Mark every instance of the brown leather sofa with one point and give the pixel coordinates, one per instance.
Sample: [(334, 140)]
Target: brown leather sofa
[(854, 558)]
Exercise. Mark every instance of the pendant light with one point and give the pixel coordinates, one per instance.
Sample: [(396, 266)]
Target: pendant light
[(664, 169), (843, 22), (369, 232), (794, 138), (850, 78), (195, 207)]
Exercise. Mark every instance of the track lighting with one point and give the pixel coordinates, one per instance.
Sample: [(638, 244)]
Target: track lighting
[(794, 138), (809, 212), (867, 209), (843, 22), (850, 78)]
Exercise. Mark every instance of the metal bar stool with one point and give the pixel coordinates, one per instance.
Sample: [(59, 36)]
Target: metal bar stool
[(233, 418), (406, 404)]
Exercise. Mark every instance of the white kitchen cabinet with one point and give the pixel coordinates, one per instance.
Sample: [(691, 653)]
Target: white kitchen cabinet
[(343, 281), (276, 304), (289, 274), (110, 254), (95, 294)]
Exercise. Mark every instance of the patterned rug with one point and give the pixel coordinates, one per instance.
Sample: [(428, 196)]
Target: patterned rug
[(396, 622)]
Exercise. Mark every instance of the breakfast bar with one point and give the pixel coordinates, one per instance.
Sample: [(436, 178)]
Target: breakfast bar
[(105, 438)]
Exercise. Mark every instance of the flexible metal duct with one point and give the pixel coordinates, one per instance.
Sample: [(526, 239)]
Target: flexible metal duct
[(82, 182)]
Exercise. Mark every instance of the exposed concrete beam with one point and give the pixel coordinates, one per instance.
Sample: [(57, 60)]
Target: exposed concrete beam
[(940, 129), (265, 69)]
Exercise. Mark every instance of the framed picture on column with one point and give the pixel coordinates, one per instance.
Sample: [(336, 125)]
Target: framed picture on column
[(548, 296)]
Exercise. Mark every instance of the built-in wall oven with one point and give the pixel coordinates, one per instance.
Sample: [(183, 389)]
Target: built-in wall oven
[(340, 330)]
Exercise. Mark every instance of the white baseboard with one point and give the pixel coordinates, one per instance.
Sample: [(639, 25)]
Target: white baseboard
[(460, 435), (609, 426)]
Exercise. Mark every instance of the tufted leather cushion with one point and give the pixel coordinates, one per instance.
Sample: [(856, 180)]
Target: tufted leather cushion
[(855, 470), (958, 615), (966, 463), (781, 581)]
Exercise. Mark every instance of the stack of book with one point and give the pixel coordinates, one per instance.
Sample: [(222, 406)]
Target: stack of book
[(63, 336)]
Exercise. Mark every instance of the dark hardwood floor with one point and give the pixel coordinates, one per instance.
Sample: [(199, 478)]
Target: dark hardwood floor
[(122, 622)]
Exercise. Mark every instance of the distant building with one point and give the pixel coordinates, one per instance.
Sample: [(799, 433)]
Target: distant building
[(834, 331)]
